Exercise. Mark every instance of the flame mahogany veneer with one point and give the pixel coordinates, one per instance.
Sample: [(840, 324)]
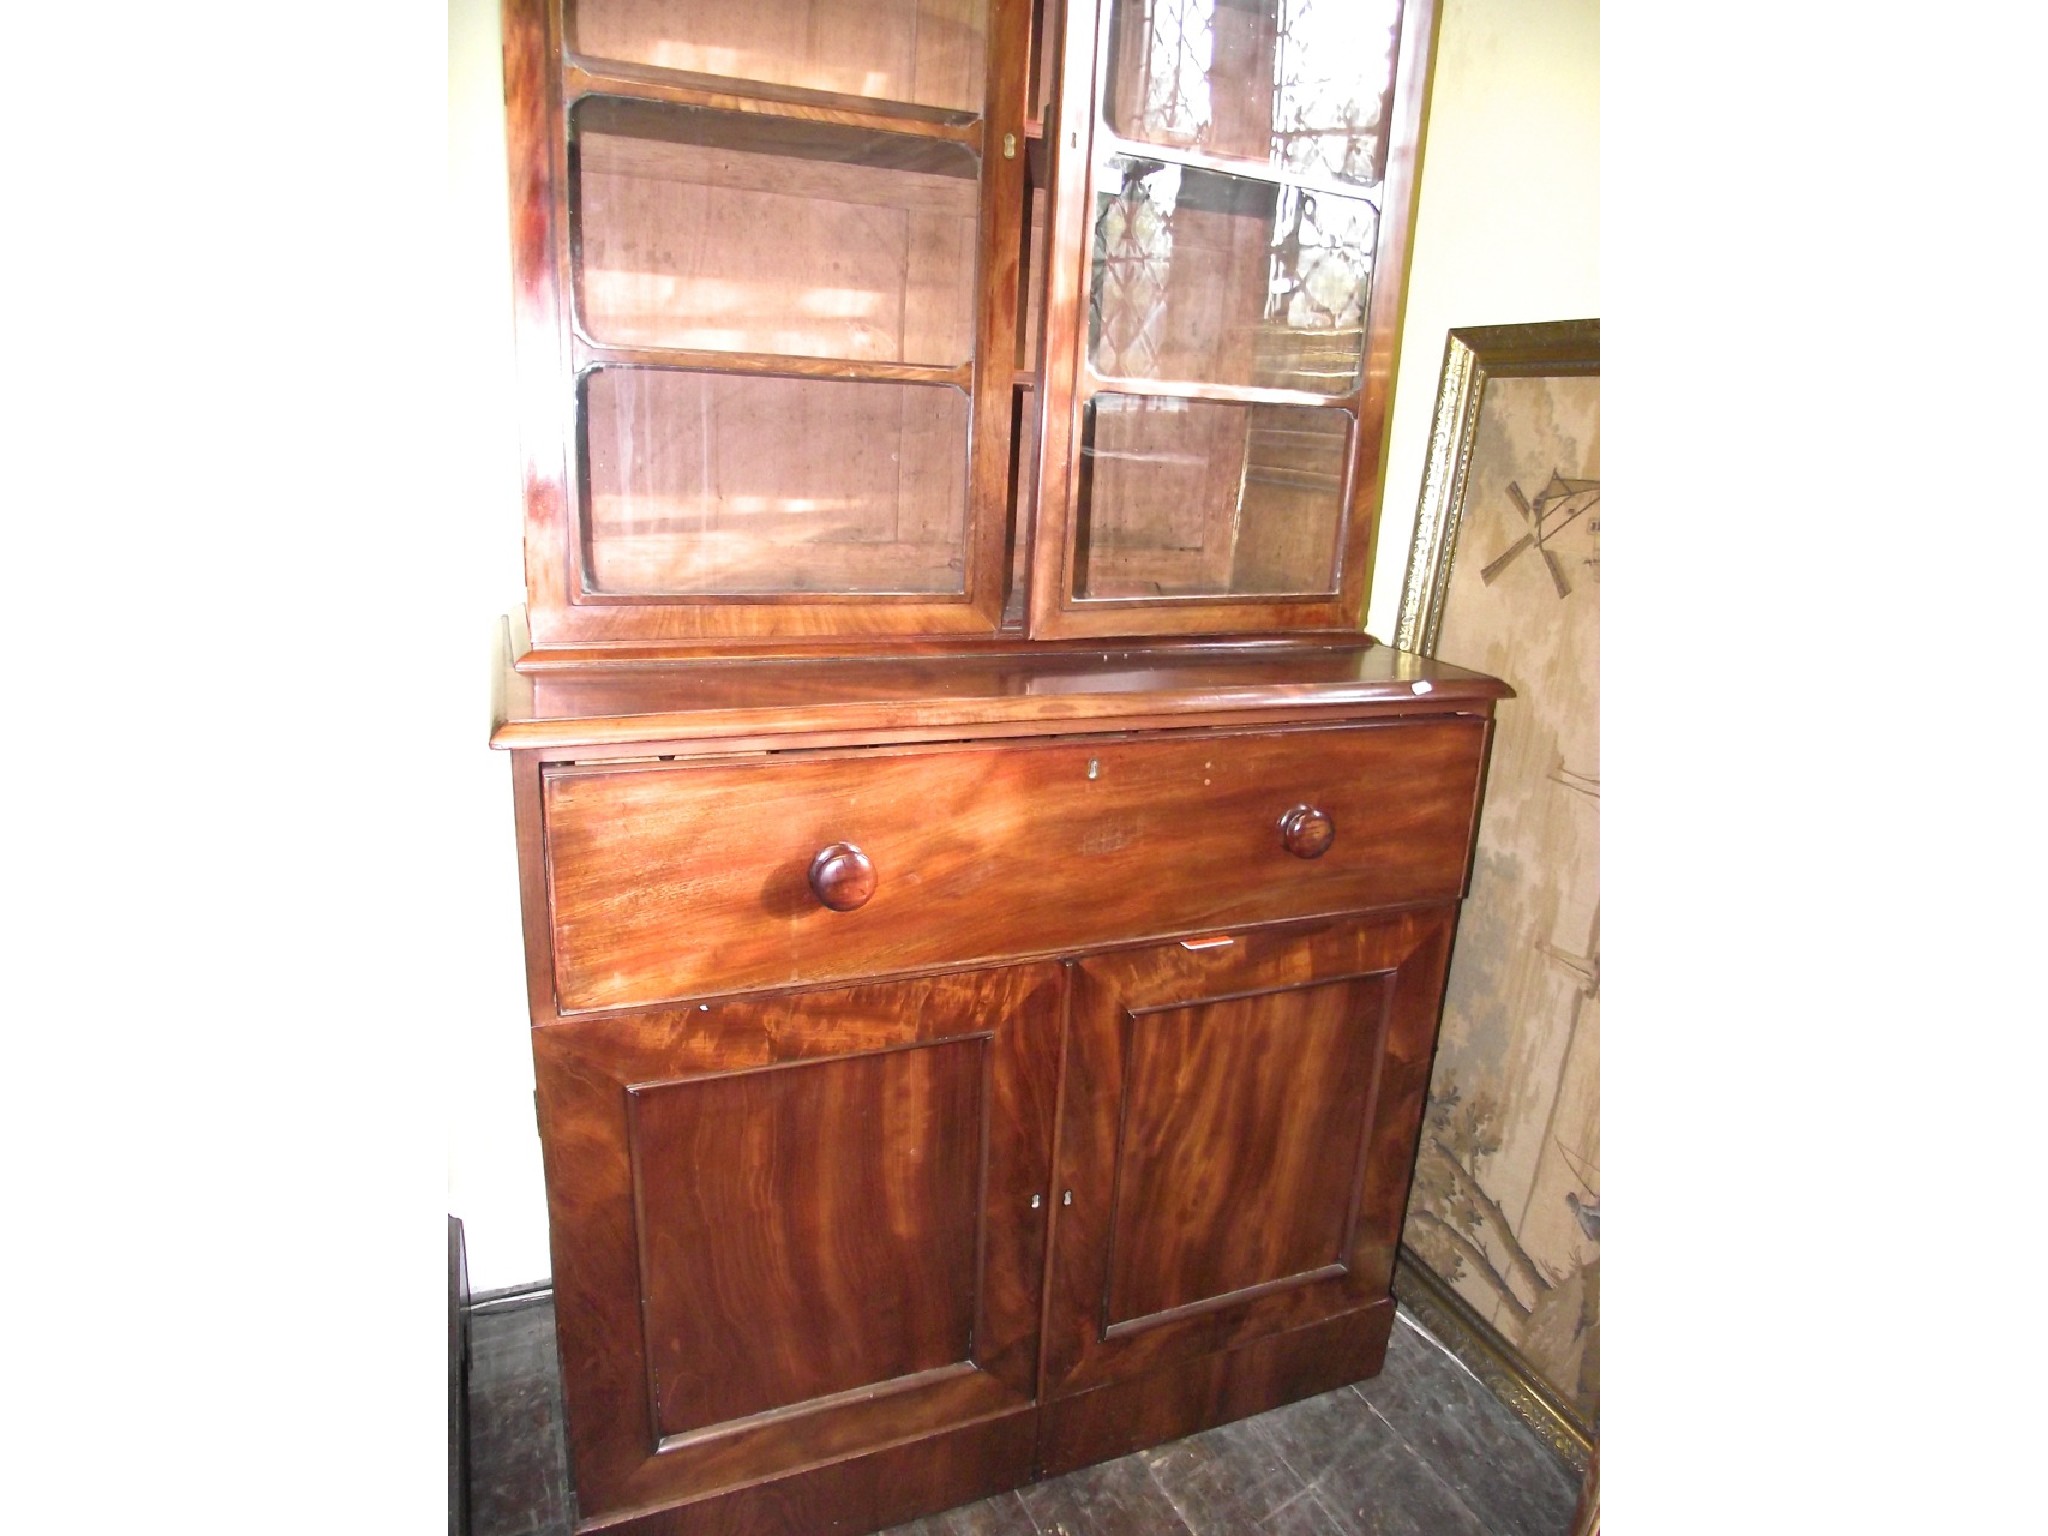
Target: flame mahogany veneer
[(985, 904), (1087, 1122)]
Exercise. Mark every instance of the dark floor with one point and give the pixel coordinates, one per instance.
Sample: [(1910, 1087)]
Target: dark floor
[(1422, 1449)]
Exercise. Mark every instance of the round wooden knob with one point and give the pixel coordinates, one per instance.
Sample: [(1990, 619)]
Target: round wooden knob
[(842, 877), (1307, 832)]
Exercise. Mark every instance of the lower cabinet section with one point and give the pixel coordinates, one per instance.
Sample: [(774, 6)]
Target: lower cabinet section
[(828, 1260)]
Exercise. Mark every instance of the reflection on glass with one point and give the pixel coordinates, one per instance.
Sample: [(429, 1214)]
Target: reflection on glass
[(926, 52), (724, 483), (1209, 498), (718, 231), (1303, 84), (1226, 280)]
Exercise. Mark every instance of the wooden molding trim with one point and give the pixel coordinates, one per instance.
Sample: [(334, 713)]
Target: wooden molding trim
[(1427, 1298), (512, 1298)]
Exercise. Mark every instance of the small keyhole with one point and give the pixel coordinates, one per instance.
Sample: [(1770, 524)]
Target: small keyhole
[(1067, 1198)]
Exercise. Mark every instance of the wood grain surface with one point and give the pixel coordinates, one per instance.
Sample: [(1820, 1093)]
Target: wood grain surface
[(1283, 1080), (1066, 687), (1193, 1394), (672, 880), (793, 1229), (925, 51), (750, 1239), (897, 1150), (1237, 1124)]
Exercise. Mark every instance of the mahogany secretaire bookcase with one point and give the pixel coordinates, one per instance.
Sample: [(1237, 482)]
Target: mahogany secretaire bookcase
[(986, 900)]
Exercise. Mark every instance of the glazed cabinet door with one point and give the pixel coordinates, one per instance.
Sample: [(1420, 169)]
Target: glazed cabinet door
[(1238, 1124), (1229, 221), (766, 258), (793, 1233)]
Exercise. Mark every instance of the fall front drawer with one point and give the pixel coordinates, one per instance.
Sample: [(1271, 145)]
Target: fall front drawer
[(670, 880)]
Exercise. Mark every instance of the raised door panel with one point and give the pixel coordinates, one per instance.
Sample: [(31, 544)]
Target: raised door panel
[(1238, 1130), (794, 1230), (774, 1275)]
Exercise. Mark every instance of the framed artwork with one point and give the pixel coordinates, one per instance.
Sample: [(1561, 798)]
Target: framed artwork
[(1504, 576)]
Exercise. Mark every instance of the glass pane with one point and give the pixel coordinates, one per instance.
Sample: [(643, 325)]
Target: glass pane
[(925, 52), (1302, 84), (716, 230), (1224, 280), (1206, 497), (707, 482)]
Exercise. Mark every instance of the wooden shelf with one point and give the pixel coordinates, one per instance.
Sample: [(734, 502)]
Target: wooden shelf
[(590, 354), (583, 78), (1227, 394), (711, 235), (1109, 144)]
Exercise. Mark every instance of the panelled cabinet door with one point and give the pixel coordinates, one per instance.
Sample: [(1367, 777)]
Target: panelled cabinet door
[(791, 1230), (1237, 1132)]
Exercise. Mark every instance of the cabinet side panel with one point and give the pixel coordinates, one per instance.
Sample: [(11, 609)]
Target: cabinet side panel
[(1399, 1098)]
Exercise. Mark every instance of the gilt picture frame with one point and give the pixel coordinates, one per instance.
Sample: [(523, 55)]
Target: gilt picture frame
[(1473, 357), (1503, 576)]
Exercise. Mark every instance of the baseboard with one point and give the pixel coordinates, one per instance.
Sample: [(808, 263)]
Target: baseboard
[(1426, 1298), (1418, 1291)]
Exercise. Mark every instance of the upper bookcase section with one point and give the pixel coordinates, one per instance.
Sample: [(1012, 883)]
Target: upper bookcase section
[(855, 324)]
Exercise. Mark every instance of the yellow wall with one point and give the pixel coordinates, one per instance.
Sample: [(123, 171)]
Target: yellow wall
[(1508, 225), (1507, 231)]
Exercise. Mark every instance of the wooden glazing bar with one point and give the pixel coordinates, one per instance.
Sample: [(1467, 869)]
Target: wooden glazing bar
[(589, 354), (1092, 384), (639, 83), (1108, 145), (1047, 19), (1419, 19), (790, 141), (996, 322), (1067, 245), (1195, 600), (533, 125)]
